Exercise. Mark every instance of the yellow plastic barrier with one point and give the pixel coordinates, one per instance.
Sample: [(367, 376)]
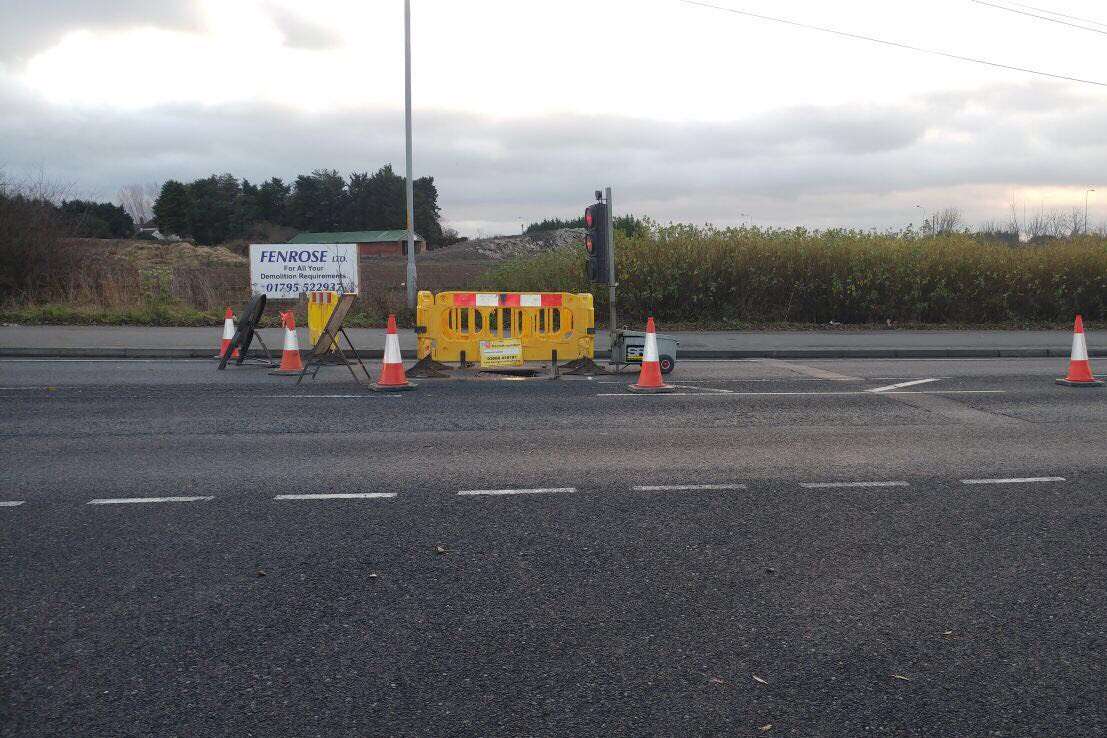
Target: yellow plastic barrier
[(320, 305), (450, 323)]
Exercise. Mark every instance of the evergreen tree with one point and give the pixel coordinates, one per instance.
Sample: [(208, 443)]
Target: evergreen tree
[(272, 201), (173, 209), (318, 201), (89, 219), (213, 208)]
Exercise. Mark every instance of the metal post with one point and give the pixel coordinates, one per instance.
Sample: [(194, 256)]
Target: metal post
[(411, 287), (1090, 189), (611, 265)]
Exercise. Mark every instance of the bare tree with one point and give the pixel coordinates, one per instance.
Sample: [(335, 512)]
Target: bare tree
[(1075, 222), (942, 222), (1013, 223), (138, 200)]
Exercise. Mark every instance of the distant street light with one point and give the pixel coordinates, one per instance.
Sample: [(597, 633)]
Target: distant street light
[(1090, 189)]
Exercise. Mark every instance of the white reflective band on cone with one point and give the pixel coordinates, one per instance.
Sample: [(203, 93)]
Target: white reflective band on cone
[(650, 354), (1079, 347), (290, 342), (392, 349), (228, 329)]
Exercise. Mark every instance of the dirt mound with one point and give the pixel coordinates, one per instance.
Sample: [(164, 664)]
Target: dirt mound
[(146, 255), (507, 247)]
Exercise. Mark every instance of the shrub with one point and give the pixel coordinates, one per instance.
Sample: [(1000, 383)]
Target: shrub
[(32, 262)]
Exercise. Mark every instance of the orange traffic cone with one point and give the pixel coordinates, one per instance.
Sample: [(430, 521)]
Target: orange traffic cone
[(1080, 370), (290, 357), (228, 335), (392, 377), (649, 379)]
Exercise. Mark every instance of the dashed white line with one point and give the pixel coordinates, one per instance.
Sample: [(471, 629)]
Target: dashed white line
[(678, 487), (11, 503), (1013, 480), (829, 485), (903, 384), (139, 500), (340, 496), (537, 491)]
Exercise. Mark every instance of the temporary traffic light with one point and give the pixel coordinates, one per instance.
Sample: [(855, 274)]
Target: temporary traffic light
[(596, 244)]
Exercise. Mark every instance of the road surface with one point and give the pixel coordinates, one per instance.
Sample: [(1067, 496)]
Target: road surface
[(881, 547), (146, 341)]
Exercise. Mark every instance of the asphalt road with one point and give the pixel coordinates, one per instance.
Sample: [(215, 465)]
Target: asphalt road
[(172, 342), (741, 592)]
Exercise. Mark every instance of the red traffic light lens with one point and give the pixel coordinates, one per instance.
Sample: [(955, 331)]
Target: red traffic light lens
[(588, 244), (588, 218)]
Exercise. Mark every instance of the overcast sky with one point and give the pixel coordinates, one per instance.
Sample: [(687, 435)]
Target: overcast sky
[(692, 114)]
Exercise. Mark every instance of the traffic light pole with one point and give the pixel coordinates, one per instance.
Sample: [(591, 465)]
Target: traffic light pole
[(611, 267)]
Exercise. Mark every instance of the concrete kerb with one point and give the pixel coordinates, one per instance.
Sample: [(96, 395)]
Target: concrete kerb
[(97, 352)]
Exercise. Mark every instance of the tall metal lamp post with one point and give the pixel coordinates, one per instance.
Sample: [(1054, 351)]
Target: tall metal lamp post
[(411, 287), (1090, 189)]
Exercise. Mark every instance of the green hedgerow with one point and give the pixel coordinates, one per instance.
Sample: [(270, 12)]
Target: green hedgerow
[(690, 275)]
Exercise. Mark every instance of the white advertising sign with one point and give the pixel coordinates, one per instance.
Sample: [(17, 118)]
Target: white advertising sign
[(281, 271)]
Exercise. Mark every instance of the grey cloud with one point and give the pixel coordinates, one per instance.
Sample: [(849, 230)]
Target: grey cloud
[(300, 31), (813, 166), (30, 26)]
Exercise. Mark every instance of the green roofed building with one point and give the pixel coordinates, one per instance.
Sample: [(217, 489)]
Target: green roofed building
[(369, 243)]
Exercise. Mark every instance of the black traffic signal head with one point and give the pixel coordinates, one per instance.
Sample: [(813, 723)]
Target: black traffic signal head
[(595, 242)]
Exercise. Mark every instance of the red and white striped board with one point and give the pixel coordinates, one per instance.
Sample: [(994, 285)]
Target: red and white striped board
[(322, 298), (507, 299)]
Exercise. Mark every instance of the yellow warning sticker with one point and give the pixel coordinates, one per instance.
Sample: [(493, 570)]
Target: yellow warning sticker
[(505, 352)]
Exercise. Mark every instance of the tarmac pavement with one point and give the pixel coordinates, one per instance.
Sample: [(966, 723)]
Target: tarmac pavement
[(866, 547)]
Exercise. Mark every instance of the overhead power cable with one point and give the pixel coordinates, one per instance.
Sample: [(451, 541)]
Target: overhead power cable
[(997, 6), (1059, 15), (895, 44)]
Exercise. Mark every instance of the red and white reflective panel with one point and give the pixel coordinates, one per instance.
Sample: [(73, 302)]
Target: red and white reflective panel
[(323, 298), (507, 299)]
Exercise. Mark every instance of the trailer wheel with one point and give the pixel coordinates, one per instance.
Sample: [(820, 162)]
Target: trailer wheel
[(667, 363)]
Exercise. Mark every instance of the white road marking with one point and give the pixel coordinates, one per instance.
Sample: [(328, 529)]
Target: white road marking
[(704, 389), (136, 500), (810, 371), (903, 384), (827, 485), (11, 503), (1013, 480), (538, 491), (340, 496), (804, 394), (677, 487)]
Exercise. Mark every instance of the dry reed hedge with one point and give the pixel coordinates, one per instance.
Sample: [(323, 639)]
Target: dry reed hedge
[(684, 274)]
